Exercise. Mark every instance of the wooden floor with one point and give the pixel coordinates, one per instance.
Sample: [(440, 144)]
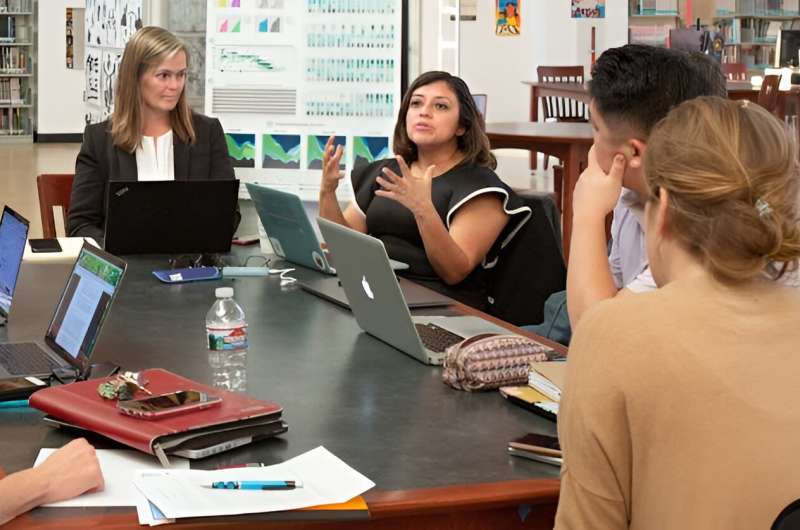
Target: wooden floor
[(19, 165)]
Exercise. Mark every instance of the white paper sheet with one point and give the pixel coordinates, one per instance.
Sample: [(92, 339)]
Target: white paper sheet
[(326, 480), (119, 467), (148, 513)]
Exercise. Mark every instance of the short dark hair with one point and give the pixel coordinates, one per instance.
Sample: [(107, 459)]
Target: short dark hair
[(474, 144), (639, 84)]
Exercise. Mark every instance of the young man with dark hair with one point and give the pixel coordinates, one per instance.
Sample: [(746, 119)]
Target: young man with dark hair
[(632, 88)]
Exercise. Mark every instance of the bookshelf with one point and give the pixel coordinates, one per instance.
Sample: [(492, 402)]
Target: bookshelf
[(649, 21), (17, 79), (750, 28)]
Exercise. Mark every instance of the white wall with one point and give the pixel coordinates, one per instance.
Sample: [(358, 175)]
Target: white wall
[(497, 65), (59, 90)]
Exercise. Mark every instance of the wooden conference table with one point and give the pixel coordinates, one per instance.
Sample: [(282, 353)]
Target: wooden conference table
[(436, 454)]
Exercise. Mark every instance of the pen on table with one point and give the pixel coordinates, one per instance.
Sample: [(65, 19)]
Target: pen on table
[(13, 404), (255, 485)]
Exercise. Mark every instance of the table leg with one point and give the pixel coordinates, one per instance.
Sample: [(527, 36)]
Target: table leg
[(574, 164), (534, 117)]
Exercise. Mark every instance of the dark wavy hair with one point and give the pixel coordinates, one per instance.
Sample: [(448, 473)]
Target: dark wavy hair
[(473, 143)]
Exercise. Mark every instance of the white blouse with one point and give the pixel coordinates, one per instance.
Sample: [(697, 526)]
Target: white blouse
[(155, 159)]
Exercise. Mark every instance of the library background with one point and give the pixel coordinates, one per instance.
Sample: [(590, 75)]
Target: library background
[(48, 55)]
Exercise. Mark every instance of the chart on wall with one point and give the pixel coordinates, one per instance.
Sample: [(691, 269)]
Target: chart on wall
[(285, 75), (109, 25)]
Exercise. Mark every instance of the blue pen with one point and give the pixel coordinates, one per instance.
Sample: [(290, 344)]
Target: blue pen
[(256, 485)]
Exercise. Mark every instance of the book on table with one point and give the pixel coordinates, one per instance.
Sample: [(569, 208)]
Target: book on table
[(237, 420)]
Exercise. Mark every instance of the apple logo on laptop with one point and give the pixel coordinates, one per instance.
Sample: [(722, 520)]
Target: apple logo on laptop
[(367, 288)]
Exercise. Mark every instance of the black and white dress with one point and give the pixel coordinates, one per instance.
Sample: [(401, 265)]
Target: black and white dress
[(394, 224)]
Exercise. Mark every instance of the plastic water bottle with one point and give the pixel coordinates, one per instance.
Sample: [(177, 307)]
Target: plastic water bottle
[(226, 331)]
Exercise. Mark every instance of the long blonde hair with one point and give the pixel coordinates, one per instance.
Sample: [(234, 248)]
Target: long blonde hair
[(148, 48), (731, 171)]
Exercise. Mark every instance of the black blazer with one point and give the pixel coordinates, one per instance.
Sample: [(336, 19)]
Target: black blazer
[(100, 161)]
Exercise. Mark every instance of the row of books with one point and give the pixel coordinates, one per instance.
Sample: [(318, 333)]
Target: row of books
[(653, 7), (758, 7), (651, 35), (16, 6), (752, 57), (11, 92), (13, 60), (750, 30), (14, 122)]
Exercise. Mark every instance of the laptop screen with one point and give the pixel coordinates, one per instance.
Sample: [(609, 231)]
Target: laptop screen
[(84, 304), (13, 234)]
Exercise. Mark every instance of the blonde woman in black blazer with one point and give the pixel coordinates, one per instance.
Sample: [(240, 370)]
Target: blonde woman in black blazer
[(150, 102)]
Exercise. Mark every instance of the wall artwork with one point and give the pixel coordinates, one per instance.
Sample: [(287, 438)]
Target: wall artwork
[(507, 18), (110, 23), (588, 8), (93, 69), (110, 67)]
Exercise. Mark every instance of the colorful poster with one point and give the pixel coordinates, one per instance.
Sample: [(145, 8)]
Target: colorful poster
[(281, 151), (588, 8), (507, 18), (242, 149)]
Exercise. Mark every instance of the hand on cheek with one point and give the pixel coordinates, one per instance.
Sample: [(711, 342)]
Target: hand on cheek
[(597, 192)]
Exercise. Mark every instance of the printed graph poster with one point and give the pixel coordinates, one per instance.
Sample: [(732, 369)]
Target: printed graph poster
[(507, 18), (588, 8), (242, 149)]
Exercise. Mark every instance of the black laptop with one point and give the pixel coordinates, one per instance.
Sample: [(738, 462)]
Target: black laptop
[(77, 319), (170, 216)]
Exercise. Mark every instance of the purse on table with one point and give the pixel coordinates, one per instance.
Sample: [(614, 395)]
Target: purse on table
[(490, 360)]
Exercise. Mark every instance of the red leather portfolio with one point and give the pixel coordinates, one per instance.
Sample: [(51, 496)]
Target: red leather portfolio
[(79, 404)]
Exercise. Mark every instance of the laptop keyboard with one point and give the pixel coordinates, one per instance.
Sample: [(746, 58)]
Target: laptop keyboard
[(25, 358), (436, 338)]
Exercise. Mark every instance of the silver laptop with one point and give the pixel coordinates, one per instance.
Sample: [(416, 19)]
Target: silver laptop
[(378, 303), (78, 317)]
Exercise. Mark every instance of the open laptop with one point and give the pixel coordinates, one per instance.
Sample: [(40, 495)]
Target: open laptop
[(378, 303), (287, 226), (170, 216), (13, 234), (78, 317)]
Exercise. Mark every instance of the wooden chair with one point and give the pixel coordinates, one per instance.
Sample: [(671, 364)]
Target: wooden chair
[(768, 95), (561, 109), (54, 190), (735, 71)]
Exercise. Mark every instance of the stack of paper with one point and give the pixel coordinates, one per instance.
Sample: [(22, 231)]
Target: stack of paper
[(172, 494)]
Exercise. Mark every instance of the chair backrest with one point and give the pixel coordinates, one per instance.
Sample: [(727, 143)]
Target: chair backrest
[(735, 71), (562, 109), (530, 268), (768, 95), (54, 190)]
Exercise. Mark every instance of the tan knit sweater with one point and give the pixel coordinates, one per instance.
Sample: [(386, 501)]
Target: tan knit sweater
[(682, 409)]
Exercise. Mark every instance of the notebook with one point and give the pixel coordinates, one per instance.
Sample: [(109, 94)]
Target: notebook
[(170, 216), (13, 234), (378, 303), (77, 319), (80, 405)]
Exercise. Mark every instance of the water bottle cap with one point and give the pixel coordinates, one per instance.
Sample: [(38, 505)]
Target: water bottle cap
[(224, 292)]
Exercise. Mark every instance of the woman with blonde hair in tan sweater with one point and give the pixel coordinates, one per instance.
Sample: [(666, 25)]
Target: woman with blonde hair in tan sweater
[(680, 409)]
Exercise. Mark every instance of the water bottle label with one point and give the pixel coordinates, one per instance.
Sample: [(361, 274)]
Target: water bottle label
[(227, 339)]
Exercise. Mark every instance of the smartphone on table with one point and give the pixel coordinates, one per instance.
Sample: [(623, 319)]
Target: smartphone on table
[(157, 407), (13, 388), (44, 245), (535, 446)]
